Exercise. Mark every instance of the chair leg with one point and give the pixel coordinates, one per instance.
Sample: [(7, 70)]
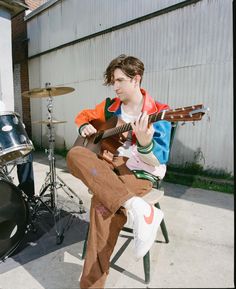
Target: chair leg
[(163, 226), (85, 244), (146, 266)]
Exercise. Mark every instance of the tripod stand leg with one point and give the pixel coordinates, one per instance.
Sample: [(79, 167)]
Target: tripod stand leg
[(72, 195), (38, 199), (60, 238), (44, 190)]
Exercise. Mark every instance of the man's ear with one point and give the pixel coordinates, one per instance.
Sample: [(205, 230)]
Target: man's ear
[(137, 79)]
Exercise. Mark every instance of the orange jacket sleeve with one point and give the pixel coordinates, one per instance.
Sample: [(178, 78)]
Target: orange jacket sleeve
[(87, 115)]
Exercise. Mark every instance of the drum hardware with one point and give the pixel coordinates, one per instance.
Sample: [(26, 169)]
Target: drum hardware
[(18, 212), (52, 181), (5, 173)]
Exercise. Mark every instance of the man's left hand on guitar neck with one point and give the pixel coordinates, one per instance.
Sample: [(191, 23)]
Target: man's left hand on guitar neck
[(143, 130)]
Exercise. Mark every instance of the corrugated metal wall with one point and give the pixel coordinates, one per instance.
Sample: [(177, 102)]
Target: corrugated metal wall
[(187, 53), (67, 20)]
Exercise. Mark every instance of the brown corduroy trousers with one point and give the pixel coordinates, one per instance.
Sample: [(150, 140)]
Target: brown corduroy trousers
[(111, 184)]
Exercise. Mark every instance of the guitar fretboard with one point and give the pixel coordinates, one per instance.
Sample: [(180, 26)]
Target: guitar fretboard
[(117, 130), (188, 113)]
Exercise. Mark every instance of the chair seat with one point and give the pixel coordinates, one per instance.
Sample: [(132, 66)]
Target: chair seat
[(153, 197)]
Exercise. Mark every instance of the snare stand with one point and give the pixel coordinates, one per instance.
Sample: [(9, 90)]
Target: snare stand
[(5, 173), (53, 182)]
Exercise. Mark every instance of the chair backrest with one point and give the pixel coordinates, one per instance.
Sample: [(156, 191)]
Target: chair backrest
[(172, 135)]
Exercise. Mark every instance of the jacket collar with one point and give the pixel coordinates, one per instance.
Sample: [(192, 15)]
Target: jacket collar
[(149, 104)]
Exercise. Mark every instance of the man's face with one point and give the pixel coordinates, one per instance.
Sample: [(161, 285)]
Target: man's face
[(124, 86)]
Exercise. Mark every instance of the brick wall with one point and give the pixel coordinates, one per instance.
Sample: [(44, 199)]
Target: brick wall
[(33, 4), (20, 56)]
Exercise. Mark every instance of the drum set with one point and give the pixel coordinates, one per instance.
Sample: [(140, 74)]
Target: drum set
[(18, 214)]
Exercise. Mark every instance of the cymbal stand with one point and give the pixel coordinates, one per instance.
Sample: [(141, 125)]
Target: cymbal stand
[(52, 181)]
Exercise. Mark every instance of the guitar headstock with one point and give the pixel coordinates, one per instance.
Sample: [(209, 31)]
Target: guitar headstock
[(188, 113)]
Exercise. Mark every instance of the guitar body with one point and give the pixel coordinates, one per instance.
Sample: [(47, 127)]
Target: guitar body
[(103, 147)]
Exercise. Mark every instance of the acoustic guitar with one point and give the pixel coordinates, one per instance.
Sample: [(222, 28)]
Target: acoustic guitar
[(113, 133)]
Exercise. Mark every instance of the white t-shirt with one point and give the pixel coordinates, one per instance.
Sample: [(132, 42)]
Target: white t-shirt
[(125, 149)]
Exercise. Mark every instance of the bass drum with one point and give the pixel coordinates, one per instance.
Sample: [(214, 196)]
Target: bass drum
[(14, 215)]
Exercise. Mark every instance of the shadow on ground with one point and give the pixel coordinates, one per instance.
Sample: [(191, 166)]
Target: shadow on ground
[(42, 239)]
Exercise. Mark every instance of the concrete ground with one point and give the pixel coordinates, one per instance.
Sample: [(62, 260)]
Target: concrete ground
[(200, 253)]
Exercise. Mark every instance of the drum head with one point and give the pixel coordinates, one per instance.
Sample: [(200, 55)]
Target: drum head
[(13, 218)]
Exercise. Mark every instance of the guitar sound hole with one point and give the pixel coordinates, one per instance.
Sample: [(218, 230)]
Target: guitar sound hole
[(98, 138)]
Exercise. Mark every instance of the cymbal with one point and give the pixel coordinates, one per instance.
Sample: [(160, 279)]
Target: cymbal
[(48, 121), (46, 92)]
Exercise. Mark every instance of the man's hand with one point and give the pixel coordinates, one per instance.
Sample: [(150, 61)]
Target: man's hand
[(143, 130), (88, 130)]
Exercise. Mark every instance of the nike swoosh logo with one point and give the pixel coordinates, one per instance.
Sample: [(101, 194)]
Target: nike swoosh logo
[(149, 219)]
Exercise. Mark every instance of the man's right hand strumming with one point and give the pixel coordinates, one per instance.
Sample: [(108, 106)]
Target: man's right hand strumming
[(88, 130)]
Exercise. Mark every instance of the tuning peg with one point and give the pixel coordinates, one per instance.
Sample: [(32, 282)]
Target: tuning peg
[(193, 123), (47, 84), (208, 115), (183, 123)]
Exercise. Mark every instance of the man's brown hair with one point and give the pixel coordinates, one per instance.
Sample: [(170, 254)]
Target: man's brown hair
[(129, 65)]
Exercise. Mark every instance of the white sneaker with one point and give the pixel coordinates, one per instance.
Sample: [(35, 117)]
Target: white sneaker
[(147, 219), (130, 219)]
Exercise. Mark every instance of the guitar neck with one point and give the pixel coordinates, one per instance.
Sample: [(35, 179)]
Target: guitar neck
[(117, 130), (127, 127), (188, 113)]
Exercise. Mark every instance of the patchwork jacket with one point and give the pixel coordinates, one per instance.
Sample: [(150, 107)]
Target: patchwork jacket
[(146, 162)]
